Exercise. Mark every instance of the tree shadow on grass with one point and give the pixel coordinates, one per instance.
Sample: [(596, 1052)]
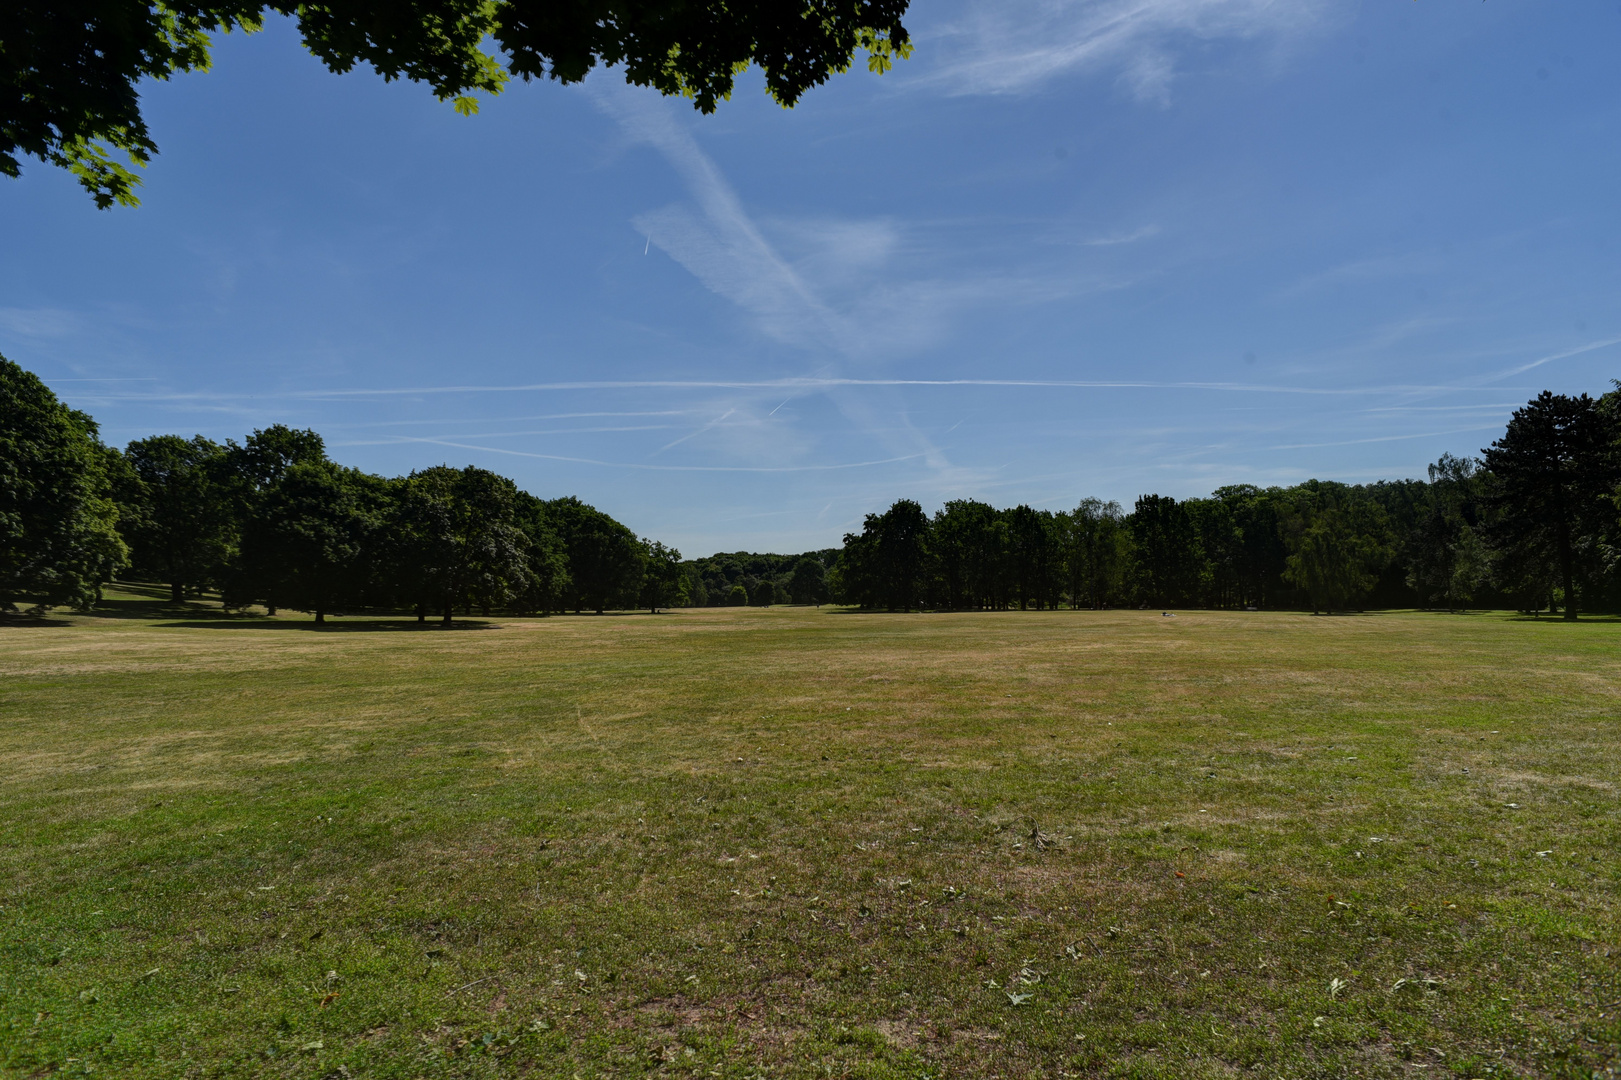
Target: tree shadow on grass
[(26, 621), (155, 610), (1584, 617), (331, 626), (152, 602)]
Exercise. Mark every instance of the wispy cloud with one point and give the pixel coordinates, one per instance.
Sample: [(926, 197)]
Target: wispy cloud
[(642, 465), (508, 419), (39, 322), (815, 383), (716, 240), (1374, 269), (1590, 346), (710, 426), (829, 287), (843, 289), (1015, 46), (1386, 438), (389, 441), (1123, 238)]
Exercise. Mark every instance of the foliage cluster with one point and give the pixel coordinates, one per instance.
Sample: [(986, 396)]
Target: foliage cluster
[(1533, 525), (274, 521), (743, 578), (58, 536), (69, 71)]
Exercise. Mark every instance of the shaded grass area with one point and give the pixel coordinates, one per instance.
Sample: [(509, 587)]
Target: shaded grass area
[(742, 842)]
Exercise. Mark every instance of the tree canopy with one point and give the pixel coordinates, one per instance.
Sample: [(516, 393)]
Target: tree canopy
[(179, 522), (70, 69), (58, 536), (1534, 524)]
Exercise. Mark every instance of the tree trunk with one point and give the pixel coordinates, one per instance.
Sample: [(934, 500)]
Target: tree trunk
[(270, 609), (177, 592), (446, 620), (422, 613), (1567, 571), (320, 616)]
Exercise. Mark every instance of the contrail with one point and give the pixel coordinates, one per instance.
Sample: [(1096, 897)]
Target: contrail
[(797, 383), (1589, 347), (667, 468)]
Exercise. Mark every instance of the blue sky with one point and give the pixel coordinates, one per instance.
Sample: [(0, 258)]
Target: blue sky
[(1068, 249)]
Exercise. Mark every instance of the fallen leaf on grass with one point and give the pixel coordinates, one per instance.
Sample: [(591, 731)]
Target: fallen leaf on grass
[(1335, 986), (329, 999), (1018, 999)]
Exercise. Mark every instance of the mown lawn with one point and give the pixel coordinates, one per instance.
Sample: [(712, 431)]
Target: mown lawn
[(799, 843)]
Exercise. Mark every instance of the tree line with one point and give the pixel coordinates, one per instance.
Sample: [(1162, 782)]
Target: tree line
[(273, 521), (1532, 524), (742, 578)]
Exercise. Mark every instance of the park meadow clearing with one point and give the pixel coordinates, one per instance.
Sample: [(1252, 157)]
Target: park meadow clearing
[(808, 843)]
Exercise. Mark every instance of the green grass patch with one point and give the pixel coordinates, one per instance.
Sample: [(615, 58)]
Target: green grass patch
[(799, 843)]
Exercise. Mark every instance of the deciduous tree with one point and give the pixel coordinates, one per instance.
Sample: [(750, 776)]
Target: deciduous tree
[(970, 541), (458, 541), (888, 564), (604, 557), (1093, 552), (661, 575), (809, 582), (181, 526), (315, 538), (1166, 558), (247, 474), (1446, 562), (546, 584), (58, 538)]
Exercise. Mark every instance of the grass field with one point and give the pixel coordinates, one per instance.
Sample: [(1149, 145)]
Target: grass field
[(798, 843)]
